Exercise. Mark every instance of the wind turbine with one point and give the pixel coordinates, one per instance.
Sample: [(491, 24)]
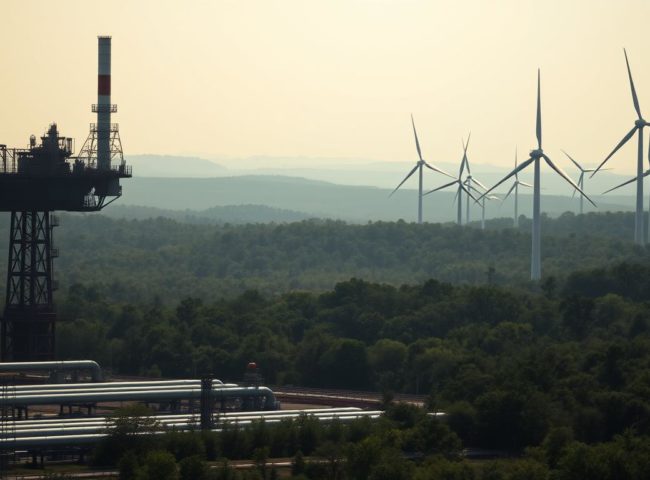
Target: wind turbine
[(482, 203), (581, 178), (535, 158), (461, 186), (469, 179), (418, 166), (515, 188), (639, 123)]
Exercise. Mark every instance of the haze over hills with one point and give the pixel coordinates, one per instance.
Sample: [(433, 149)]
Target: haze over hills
[(312, 198), (264, 189), (360, 172), (174, 166)]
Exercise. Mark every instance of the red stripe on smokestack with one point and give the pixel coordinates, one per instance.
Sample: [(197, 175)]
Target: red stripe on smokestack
[(103, 84)]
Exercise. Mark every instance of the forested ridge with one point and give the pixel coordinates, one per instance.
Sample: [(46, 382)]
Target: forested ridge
[(137, 260)]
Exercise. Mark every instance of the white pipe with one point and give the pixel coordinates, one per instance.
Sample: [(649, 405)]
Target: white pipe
[(184, 424), (139, 395), (19, 367), (21, 393), (87, 439), (98, 385), (180, 416)]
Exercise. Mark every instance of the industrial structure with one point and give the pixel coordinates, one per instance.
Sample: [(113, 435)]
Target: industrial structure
[(178, 405), (36, 181)]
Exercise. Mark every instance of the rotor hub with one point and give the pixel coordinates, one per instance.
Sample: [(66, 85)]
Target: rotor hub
[(640, 123), (538, 153)]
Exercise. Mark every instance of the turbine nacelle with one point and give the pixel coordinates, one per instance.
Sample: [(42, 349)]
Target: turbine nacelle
[(538, 153)]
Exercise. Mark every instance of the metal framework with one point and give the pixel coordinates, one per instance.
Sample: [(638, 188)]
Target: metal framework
[(28, 325), (88, 152)]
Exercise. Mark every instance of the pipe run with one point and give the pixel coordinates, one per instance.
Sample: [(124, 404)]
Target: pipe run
[(53, 438), (67, 365), (152, 396)]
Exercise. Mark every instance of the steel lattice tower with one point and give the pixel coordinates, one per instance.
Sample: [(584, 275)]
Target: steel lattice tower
[(35, 182)]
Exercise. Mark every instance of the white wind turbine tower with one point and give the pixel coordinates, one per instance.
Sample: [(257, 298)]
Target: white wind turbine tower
[(639, 123), (515, 188), (535, 158), (581, 179), (460, 186), (418, 166), (482, 203)]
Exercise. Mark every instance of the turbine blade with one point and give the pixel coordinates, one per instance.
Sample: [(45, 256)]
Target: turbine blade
[(579, 182), (479, 183), (436, 169), (560, 172), (417, 142), (647, 172), (539, 111), (574, 162), (634, 97), (441, 187), (526, 184), (465, 189), (509, 192), (627, 136), (514, 172), (469, 172), (463, 160), (456, 196), (405, 179)]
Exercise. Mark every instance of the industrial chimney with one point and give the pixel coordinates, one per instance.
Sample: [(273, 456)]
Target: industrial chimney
[(104, 107)]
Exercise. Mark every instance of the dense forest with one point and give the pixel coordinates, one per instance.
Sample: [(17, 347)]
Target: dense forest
[(509, 367), (404, 444), (555, 374), (140, 261)]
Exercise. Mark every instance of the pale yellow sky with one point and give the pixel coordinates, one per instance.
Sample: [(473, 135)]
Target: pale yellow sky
[(331, 78)]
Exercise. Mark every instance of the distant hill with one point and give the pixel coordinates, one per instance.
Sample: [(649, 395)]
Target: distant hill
[(235, 214), (314, 198), (174, 166)]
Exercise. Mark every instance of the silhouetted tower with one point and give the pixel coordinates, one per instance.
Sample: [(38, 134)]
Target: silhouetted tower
[(35, 182)]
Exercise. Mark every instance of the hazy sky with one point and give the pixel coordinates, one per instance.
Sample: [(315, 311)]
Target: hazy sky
[(331, 78)]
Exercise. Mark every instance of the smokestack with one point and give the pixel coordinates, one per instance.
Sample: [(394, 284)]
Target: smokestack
[(104, 107)]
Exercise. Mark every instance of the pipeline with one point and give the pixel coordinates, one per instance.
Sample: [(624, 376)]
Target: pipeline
[(153, 396), (22, 367), (73, 437), (97, 385), (81, 389), (181, 424)]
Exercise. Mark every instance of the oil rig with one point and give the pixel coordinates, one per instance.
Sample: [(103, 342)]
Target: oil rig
[(36, 181)]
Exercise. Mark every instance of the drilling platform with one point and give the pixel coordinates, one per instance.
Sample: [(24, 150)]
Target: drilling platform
[(36, 181)]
